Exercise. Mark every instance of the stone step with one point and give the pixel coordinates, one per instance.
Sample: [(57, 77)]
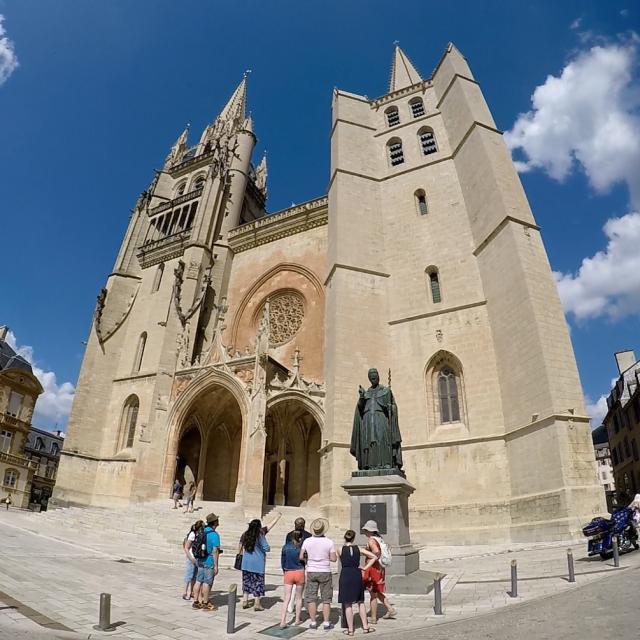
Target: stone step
[(155, 531)]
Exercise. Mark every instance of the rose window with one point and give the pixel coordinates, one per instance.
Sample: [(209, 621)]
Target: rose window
[(286, 313)]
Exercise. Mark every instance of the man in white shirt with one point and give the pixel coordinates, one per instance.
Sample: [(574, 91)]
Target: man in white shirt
[(319, 552)]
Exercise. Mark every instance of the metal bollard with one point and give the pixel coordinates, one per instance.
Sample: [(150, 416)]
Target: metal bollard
[(514, 579), (231, 608), (104, 622), (437, 594), (572, 573), (616, 552)]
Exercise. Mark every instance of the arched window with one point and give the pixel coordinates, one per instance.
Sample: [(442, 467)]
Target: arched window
[(417, 107), (128, 423), (421, 202), (157, 278), (10, 479), (434, 284), (198, 183), (39, 446), (427, 141), (448, 396), (396, 154), (55, 449), (392, 116), (445, 390), (180, 189), (137, 363)]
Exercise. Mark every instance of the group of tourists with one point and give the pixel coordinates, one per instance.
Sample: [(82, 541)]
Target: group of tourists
[(187, 493), (306, 561)]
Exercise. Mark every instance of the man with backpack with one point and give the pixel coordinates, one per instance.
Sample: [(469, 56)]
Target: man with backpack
[(206, 551), (374, 576)]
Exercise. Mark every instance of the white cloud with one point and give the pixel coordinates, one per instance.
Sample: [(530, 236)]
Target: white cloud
[(588, 116), (54, 404), (596, 410), (576, 23), (607, 284), (8, 58)]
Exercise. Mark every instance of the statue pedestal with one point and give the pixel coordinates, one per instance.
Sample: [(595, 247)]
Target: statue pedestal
[(385, 499)]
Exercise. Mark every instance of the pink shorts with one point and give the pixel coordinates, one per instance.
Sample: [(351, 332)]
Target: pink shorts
[(294, 576)]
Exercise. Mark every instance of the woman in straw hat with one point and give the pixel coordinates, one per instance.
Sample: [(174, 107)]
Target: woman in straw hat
[(374, 575)]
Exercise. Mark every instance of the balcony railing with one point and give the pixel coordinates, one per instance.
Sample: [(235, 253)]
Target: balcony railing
[(192, 160), (164, 248), (169, 204), (12, 421), (18, 461)]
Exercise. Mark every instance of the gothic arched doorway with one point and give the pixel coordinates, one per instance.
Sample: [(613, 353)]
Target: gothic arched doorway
[(189, 455), (214, 458), (292, 458)]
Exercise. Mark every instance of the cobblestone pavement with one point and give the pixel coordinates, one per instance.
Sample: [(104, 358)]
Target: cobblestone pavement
[(49, 587)]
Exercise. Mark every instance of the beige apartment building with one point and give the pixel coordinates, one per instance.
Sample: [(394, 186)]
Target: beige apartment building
[(228, 344), (19, 390)]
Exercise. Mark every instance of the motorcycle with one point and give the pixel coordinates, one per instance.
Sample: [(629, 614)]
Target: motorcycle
[(600, 532)]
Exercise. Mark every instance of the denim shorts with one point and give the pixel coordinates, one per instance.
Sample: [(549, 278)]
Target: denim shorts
[(205, 574), (190, 570)]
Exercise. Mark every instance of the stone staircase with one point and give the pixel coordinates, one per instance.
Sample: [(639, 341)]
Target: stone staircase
[(154, 531)]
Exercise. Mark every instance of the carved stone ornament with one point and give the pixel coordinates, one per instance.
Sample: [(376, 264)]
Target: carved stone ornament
[(177, 292), (97, 315), (286, 314), (296, 382)]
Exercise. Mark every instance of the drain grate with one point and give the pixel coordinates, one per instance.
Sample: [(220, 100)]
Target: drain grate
[(276, 632)]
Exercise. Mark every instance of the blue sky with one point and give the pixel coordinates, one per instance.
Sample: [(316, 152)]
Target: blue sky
[(92, 95)]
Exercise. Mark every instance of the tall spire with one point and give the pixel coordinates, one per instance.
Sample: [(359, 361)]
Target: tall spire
[(235, 109), (232, 117), (403, 73)]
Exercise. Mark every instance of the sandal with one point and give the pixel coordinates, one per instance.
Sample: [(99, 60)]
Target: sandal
[(346, 632), (209, 607), (196, 605), (369, 630)]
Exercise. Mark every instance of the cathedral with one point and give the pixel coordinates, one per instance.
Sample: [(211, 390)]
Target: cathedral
[(228, 343)]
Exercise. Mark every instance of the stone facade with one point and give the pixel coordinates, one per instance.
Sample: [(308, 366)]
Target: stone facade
[(19, 390), (228, 345), (622, 423), (43, 449)]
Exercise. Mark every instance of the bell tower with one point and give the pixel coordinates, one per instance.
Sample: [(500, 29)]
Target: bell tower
[(156, 313), (436, 270)]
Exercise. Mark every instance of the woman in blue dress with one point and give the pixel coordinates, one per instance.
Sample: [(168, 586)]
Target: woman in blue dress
[(351, 586), (254, 548)]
